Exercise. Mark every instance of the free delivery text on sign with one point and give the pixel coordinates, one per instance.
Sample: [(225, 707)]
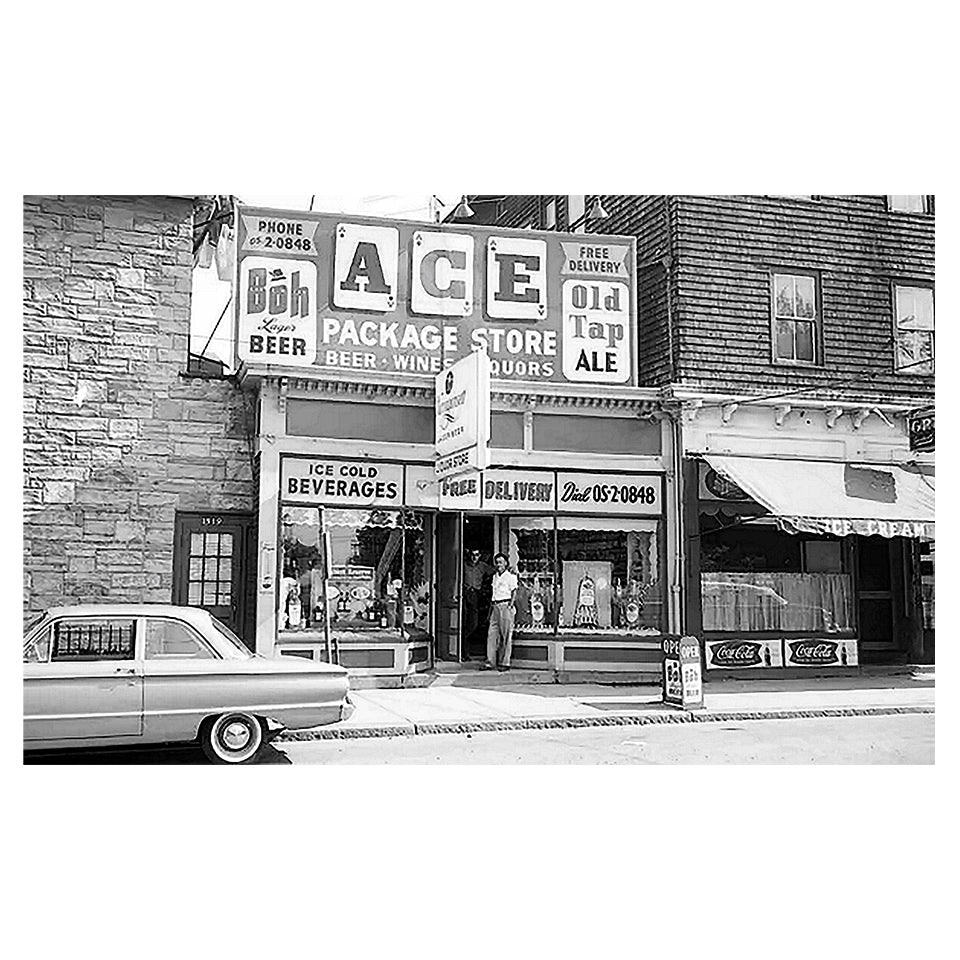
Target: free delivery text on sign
[(399, 297)]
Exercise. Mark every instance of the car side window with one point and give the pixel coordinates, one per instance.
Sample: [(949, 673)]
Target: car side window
[(170, 640), (38, 650), (93, 638)]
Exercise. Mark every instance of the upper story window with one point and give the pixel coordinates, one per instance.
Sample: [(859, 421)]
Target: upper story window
[(909, 203), (550, 214), (913, 330), (796, 320)]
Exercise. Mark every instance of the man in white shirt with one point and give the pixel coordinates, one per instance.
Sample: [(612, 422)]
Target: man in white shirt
[(500, 632)]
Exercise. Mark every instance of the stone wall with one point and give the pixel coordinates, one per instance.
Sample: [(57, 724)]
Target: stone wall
[(116, 436)]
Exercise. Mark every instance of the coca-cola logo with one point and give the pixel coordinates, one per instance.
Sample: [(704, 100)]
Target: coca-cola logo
[(813, 652), (735, 653)]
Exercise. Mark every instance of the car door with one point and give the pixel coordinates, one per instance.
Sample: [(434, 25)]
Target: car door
[(85, 682), (182, 680)]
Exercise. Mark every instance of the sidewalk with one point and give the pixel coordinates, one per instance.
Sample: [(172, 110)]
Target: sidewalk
[(470, 702)]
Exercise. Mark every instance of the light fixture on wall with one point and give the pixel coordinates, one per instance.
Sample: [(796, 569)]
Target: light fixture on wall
[(596, 213), (463, 210)]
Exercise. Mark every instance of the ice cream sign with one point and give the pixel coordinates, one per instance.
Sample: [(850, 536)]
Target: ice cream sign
[(397, 297)]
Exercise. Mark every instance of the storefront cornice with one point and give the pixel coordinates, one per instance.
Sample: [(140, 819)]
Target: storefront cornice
[(690, 399), (640, 400)]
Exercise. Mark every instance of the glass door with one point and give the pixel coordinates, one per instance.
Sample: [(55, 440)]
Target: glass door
[(449, 577)]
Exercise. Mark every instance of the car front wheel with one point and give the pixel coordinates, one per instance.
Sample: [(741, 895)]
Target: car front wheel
[(232, 738)]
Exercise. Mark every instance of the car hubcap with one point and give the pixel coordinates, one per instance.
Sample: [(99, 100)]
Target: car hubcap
[(236, 735)]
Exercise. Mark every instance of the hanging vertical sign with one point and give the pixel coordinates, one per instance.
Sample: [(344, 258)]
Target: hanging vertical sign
[(462, 409)]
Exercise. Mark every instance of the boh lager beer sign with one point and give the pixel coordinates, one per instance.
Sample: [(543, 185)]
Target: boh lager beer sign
[(337, 293)]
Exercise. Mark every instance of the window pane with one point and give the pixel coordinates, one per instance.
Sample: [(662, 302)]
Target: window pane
[(609, 578), (907, 202), (301, 566), (226, 568), (914, 352), (196, 568), (226, 544), (223, 595), (915, 308), (167, 639), (805, 341), (193, 597), (531, 558), (196, 544), (784, 344), (210, 594), (750, 602), (211, 541), (417, 597), (752, 579), (783, 296), (93, 639), (39, 649), (210, 569), (806, 301)]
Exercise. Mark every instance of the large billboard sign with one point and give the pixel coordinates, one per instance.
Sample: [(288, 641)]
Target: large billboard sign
[(338, 293)]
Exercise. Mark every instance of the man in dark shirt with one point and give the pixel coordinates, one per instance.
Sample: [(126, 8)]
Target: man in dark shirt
[(476, 576)]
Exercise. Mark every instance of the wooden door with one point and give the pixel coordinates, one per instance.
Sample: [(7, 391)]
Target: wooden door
[(211, 566)]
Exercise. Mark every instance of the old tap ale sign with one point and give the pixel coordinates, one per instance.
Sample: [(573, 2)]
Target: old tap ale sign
[(395, 297)]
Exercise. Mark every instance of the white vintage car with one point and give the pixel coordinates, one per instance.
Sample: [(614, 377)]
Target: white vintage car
[(132, 674)]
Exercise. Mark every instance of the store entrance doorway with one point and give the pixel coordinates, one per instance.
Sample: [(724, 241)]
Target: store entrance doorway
[(477, 567)]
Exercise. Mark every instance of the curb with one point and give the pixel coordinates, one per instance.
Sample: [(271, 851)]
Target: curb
[(607, 720)]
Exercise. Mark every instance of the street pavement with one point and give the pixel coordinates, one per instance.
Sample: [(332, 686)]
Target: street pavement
[(893, 739), (896, 739)]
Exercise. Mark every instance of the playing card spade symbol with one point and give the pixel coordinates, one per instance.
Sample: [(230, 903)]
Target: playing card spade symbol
[(342, 232)]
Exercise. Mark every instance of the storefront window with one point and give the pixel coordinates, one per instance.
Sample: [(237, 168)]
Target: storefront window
[(753, 578), (417, 575), (365, 578), (610, 577), (377, 567), (604, 576), (301, 566), (531, 556)]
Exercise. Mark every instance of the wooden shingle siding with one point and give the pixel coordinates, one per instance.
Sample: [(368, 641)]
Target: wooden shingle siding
[(727, 249), (723, 253)]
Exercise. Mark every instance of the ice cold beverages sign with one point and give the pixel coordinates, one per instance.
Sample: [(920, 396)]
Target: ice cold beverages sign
[(395, 297)]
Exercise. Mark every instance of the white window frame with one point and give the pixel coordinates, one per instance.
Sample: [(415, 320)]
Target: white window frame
[(893, 208), (814, 321), (917, 371)]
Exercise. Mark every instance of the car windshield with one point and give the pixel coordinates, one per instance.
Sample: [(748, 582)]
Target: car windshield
[(235, 648), (32, 624)]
